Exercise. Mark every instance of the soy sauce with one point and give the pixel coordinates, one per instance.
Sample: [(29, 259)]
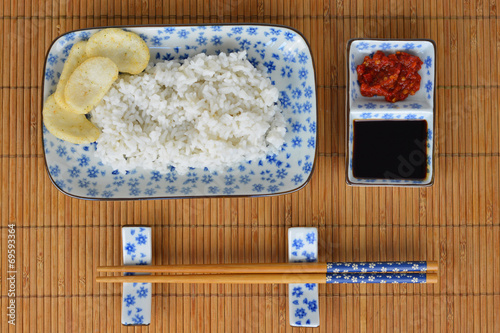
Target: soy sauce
[(390, 149)]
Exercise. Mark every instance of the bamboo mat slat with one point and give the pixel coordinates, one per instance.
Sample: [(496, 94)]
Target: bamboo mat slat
[(60, 240)]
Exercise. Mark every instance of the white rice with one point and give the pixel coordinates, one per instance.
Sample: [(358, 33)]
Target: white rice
[(209, 111)]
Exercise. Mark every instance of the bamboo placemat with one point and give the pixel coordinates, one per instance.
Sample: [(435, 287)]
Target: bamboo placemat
[(60, 241)]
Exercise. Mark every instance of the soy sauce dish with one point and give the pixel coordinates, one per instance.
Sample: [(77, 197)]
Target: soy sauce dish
[(390, 143)]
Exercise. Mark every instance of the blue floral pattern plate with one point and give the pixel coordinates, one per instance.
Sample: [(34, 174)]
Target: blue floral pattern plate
[(417, 107), (284, 55)]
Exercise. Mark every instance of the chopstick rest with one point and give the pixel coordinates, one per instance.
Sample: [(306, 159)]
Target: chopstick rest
[(136, 297), (303, 297)]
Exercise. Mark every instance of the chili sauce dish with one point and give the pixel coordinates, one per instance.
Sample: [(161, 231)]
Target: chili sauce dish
[(390, 111)]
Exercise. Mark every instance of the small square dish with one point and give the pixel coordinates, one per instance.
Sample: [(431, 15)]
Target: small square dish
[(284, 56), (358, 49), (415, 164), (390, 144)]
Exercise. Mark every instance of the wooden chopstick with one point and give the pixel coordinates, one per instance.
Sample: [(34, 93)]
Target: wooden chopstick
[(275, 278), (220, 268), (261, 268)]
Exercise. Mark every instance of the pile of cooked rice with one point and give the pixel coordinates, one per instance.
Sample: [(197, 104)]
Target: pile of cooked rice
[(208, 111)]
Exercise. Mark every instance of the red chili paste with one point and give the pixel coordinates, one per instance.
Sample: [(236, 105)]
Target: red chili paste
[(394, 76)]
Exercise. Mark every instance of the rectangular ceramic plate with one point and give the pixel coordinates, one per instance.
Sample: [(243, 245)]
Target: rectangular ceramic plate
[(286, 57), (417, 107)]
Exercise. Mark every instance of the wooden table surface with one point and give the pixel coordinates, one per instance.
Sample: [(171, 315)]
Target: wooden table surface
[(60, 241)]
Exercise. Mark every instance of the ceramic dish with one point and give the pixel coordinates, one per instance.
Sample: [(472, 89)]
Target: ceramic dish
[(283, 51), (420, 106)]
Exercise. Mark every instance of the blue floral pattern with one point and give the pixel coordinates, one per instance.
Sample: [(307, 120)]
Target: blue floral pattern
[(136, 299), (278, 51), (370, 267), (376, 278), (303, 298)]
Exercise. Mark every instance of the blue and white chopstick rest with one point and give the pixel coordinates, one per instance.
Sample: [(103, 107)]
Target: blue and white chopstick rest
[(136, 299), (303, 297)]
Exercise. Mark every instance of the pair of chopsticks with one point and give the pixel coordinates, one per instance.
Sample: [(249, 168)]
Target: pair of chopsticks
[(331, 272)]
